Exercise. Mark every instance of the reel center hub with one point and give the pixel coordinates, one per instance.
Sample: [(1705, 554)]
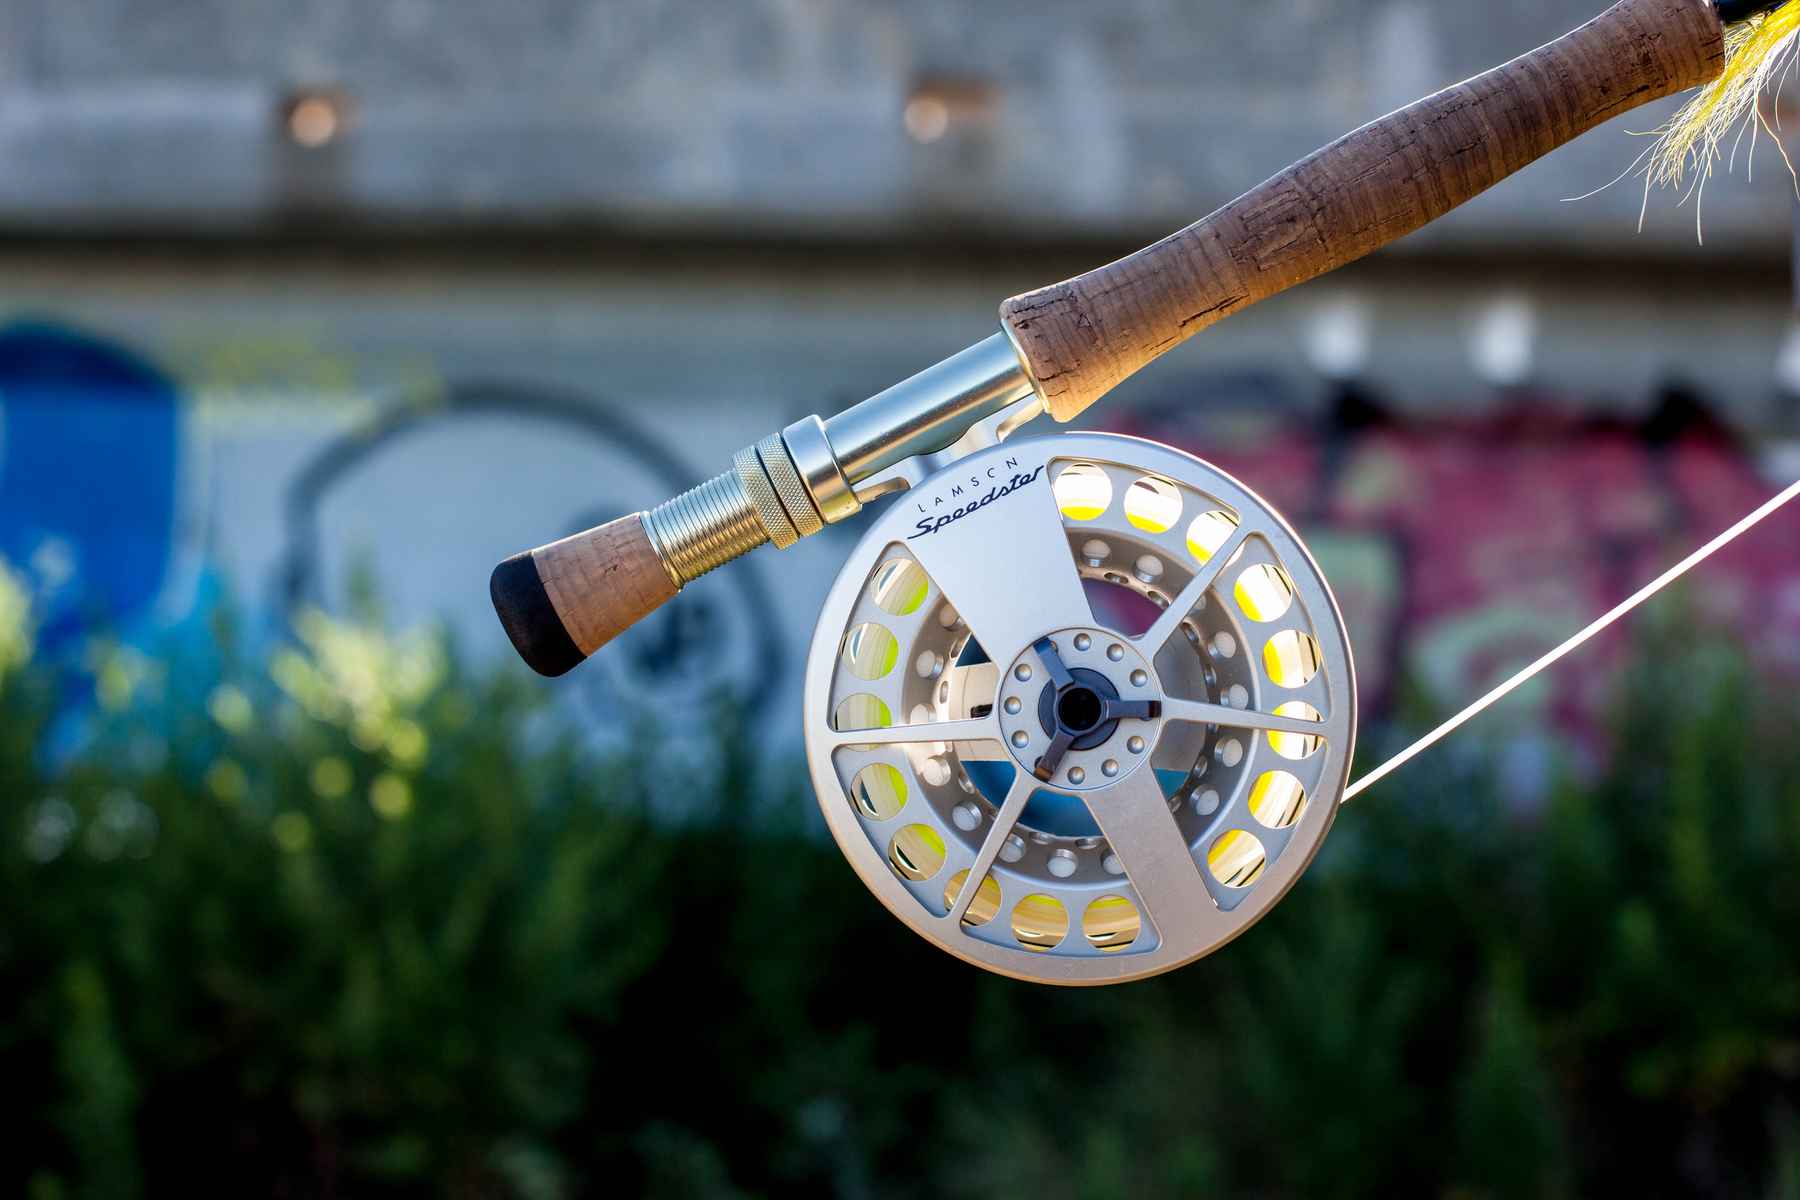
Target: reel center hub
[(1080, 707)]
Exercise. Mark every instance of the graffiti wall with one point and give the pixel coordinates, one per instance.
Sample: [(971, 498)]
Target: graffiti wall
[(1464, 546), (216, 453)]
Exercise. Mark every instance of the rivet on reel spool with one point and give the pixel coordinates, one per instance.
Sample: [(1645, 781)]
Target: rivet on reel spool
[(1079, 709)]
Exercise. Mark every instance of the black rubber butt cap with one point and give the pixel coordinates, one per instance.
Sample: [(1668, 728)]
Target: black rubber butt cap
[(530, 619)]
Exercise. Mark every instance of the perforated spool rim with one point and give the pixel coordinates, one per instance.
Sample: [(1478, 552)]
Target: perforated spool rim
[(1178, 938)]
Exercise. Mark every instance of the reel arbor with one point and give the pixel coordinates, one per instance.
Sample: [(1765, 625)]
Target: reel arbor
[(1079, 709)]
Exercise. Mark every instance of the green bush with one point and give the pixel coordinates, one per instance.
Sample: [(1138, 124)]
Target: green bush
[(332, 927), (360, 920)]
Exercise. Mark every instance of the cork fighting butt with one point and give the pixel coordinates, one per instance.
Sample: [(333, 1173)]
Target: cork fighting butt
[(561, 602)]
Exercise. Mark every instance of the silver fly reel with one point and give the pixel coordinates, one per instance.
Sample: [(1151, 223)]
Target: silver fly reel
[(1079, 709)]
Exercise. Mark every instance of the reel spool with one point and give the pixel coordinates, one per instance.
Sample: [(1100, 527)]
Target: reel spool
[(1079, 709)]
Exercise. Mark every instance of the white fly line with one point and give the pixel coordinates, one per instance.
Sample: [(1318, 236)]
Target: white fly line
[(1524, 676)]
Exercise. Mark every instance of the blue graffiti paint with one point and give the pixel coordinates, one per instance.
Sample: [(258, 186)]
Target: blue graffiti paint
[(87, 474)]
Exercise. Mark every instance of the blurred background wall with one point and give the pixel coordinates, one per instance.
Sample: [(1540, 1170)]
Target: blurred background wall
[(308, 300), (290, 288)]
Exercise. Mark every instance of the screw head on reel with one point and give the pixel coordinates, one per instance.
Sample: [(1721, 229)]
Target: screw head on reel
[(1079, 709)]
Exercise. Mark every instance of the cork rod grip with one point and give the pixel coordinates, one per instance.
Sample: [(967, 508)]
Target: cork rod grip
[(1080, 338), (561, 602)]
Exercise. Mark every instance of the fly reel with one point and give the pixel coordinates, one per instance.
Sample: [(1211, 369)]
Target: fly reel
[(1079, 709)]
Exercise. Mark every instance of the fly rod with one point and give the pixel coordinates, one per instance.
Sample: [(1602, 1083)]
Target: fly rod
[(1020, 780), (1068, 344)]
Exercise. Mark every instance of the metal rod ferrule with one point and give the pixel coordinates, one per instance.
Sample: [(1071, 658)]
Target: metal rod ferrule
[(929, 411), (794, 483)]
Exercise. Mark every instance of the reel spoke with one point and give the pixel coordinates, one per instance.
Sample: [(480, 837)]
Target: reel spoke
[(1053, 663), (1199, 712), (1045, 767), (1010, 583), (1016, 797), (1165, 625), (1134, 818), (979, 729)]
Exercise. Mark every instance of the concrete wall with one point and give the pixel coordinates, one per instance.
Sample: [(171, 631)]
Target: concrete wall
[(770, 117)]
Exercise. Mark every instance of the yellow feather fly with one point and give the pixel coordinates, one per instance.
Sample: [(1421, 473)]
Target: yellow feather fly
[(1760, 52)]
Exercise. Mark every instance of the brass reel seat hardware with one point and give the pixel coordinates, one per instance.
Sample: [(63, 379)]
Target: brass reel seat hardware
[(798, 481), (561, 602)]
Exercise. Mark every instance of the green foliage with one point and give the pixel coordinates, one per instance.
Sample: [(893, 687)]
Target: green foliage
[(334, 926), (358, 920)]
